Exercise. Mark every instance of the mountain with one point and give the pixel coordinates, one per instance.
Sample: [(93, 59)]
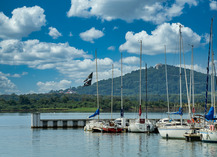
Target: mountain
[(156, 82)]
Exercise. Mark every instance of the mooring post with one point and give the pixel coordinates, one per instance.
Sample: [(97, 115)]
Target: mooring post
[(35, 120)]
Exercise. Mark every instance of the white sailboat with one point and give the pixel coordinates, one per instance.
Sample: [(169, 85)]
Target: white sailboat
[(95, 125), (176, 130), (123, 122), (209, 132), (111, 126), (141, 125), (165, 121)]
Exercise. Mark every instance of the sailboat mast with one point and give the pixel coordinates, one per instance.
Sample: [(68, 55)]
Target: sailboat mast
[(97, 91), (140, 81), (207, 76), (213, 71), (146, 96), (168, 103), (192, 76), (112, 91), (180, 70), (122, 108)]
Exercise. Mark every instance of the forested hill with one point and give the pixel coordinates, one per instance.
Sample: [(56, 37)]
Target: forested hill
[(156, 82)]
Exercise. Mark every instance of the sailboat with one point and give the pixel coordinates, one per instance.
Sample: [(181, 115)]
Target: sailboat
[(111, 126), (123, 122), (95, 125), (141, 125), (176, 130), (209, 132), (169, 119)]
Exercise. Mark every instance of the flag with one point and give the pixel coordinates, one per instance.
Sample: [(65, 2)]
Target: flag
[(88, 80)]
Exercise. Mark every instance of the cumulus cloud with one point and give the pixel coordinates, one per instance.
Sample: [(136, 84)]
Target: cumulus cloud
[(165, 34), (54, 33), (131, 60), (115, 27), (111, 48), (24, 21), (48, 86), (78, 69), (70, 34), (14, 75), (196, 67), (156, 11), (36, 54), (6, 86), (91, 34), (213, 5)]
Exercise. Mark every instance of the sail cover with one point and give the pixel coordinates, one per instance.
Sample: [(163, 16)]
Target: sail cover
[(88, 80), (122, 112), (180, 112), (210, 114), (140, 110), (96, 113)]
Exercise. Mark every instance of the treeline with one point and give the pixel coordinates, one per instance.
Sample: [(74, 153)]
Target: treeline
[(87, 103)]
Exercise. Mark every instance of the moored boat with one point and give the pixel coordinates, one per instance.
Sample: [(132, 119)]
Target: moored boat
[(94, 124), (176, 130), (141, 125), (112, 127), (209, 133)]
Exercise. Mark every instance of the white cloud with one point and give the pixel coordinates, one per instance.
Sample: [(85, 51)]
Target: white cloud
[(54, 33), (131, 60), (91, 34), (24, 21), (196, 67), (156, 11), (36, 54), (111, 48), (48, 86), (213, 5), (70, 34), (165, 34), (80, 68), (115, 27), (6, 86), (14, 75)]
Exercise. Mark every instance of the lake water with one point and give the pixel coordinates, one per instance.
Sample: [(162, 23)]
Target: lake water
[(17, 139)]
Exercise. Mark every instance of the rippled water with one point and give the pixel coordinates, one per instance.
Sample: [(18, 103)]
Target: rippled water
[(18, 139)]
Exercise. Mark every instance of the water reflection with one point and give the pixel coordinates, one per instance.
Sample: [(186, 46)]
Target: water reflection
[(18, 139), (209, 149)]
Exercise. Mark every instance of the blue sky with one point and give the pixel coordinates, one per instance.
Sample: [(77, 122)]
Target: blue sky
[(50, 45)]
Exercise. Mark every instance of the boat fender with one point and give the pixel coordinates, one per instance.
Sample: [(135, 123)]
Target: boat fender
[(211, 127), (167, 136), (201, 137)]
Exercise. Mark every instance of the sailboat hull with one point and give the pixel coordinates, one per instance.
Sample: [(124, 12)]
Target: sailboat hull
[(175, 132), (93, 124), (112, 129), (208, 135), (137, 126)]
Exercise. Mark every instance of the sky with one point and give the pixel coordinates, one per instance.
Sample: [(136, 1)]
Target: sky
[(50, 45)]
